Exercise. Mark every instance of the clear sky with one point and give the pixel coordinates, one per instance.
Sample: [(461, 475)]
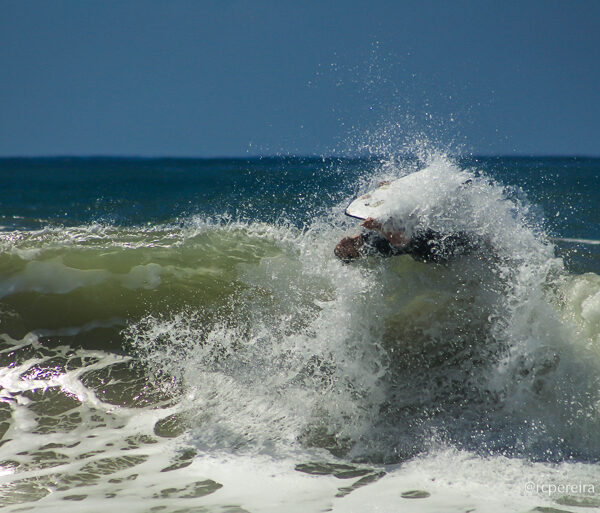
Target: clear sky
[(256, 77)]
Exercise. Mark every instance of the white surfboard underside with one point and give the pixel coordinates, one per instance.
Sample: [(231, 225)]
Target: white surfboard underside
[(388, 197)]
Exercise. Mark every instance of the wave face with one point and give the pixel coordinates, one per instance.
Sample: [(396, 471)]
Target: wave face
[(243, 336)]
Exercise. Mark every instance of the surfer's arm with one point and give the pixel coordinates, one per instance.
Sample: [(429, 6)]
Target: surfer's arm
[(378, 241), (394, 237), (365, 244)]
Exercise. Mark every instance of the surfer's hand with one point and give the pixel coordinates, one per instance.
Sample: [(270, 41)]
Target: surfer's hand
[(348, 248), (371, 224)]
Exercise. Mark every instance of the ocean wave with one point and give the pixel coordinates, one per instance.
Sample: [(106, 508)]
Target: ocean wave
[(378, 359), (280, 347)]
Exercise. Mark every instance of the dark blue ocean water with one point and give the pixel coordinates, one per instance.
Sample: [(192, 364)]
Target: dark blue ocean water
[(38, 192)]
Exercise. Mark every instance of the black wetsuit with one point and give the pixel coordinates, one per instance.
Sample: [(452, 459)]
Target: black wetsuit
[(424, 246)]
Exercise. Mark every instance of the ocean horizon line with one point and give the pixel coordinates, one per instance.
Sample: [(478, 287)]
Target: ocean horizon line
[(475, 156)]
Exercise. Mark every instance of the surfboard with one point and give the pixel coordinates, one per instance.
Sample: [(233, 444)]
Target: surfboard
[(378, 202), (403, 195)]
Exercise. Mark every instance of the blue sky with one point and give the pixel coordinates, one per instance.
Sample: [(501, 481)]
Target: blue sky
[(238, 78)]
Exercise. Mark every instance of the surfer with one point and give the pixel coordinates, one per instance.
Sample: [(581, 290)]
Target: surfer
[(388, 215), (425, 245)]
